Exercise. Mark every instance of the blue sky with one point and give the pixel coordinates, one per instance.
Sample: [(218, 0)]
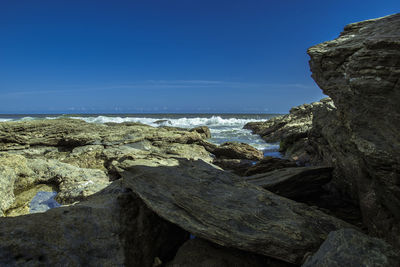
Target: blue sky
[(167, 55)]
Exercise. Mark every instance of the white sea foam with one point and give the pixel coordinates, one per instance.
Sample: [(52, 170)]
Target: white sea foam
[(2, 120)]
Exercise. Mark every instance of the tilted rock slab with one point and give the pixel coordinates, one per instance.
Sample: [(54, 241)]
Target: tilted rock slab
[(360, 71), (217, 206)]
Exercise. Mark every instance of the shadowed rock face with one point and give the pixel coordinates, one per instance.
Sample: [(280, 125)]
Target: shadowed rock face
[(347, 247), (360, 71), (111, 228), (218, 206), (299, 183)]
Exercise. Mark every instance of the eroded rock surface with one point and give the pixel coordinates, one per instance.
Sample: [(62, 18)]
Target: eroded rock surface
[(78, 159), (201, 253), (360, 71), (348, 247), (220, 207), (111, 228), (299, 183)]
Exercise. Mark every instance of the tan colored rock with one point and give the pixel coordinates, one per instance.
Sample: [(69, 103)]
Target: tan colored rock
[(234, 150)]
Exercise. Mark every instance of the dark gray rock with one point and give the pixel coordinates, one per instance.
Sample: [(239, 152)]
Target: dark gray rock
[(299, 183), (238, 166), (348, 247), (111, 228), (220, 207), (360, 71), (201, 253), (268, 164)]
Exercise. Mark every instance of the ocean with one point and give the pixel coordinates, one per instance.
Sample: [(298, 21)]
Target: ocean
[(223, 127)]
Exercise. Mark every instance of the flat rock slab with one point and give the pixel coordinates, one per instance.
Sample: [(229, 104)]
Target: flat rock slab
[(294, 183), (348, 247), (220, 207)]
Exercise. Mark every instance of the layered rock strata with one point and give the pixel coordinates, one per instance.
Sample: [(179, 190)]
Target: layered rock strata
[(360, 71)]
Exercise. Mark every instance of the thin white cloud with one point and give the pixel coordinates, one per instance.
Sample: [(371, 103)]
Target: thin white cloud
[(161, 84)]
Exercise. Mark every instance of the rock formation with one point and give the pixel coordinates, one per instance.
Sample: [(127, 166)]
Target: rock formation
[(110, 228), (221, 207), (357, 131), (360, 71), (348, 247)]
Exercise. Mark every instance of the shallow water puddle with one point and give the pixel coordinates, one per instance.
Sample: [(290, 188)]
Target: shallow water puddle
[(43, 201)]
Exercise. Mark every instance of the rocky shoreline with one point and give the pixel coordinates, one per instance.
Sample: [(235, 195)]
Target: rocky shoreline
[(136, 195)]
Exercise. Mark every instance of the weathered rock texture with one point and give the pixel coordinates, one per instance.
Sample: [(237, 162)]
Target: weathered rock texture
[(201, 253), (221, 207), (268, 164), (291, 130), (78, 159), (348, 247), (111, 228), (360, 71), (234, 150)]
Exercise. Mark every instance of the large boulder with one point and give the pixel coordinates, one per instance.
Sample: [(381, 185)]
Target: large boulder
[(360, 71), (111, 228), (348, 247), (222, 208)]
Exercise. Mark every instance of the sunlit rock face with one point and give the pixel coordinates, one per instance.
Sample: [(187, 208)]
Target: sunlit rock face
[(360, 71)]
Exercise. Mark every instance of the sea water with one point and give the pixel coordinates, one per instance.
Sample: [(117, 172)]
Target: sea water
[(223, 127)]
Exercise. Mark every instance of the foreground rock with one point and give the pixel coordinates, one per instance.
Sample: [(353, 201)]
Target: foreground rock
[(348, 247), (217, 206), (360, 71), (111, 228), (291, 130), (201, 253), (300, 183)]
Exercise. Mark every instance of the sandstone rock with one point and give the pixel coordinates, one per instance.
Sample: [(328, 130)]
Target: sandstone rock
[(360, 71), (268, 164), (74, 183), (202, 130), (348, 247), (111, 228), (233, 150), (217, 206), (70, 133), (11, 166), (201, 253), (291, 130)]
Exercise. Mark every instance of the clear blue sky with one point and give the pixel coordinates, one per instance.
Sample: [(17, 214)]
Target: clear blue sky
[(166, 55)]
